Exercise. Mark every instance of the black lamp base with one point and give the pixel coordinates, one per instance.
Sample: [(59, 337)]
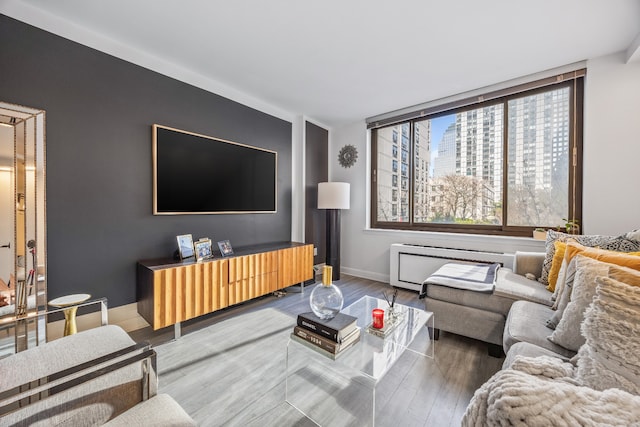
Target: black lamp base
[(333, 242)]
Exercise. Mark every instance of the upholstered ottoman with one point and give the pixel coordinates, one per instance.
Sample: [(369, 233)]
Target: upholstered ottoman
[(482, 315)]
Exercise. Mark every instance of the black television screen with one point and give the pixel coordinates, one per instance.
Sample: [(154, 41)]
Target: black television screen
[(198, 174)]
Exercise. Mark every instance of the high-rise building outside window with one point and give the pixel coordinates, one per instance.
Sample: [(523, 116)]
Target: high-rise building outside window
[(498, 166)]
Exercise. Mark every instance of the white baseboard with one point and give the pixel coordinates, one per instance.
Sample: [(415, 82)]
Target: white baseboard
[(384, 278)]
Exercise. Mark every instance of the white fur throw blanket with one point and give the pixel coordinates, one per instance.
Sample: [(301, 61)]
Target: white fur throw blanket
[(542, 391)]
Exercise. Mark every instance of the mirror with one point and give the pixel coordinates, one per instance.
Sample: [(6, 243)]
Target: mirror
[(23, 289)]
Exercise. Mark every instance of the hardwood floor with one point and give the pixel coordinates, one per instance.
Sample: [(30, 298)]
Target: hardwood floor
[(228, 368)]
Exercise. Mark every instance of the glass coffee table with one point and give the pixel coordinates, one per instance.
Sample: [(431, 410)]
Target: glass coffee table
[(343, 391)]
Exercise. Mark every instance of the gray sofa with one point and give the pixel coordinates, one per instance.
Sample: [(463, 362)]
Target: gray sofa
[(483, 316), (96, 377)]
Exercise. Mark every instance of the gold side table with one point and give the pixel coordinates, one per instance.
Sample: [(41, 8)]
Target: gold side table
[(72, 302)]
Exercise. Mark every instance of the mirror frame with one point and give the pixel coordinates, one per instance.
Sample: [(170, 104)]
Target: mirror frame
[(28, 275)]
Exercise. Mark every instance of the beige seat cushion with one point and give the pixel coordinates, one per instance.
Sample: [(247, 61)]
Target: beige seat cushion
[(517, 287)]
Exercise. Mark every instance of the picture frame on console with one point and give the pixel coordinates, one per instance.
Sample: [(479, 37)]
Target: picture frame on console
[(225, 248), (203, 249), (185, 246)]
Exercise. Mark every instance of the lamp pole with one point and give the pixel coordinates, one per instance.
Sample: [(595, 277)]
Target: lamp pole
[(333, 242), (333, 196)]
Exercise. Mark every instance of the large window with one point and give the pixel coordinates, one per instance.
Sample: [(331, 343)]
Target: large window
[(504, 165)]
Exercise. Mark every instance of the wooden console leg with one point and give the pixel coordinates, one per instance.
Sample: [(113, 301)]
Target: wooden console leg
[(434, 333), (496, 351)]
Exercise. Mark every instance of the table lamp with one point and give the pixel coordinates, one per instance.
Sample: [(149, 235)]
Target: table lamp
[(333, 196)]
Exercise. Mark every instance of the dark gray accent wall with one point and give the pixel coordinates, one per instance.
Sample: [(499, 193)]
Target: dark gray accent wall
[(316, 170), (99, 112)]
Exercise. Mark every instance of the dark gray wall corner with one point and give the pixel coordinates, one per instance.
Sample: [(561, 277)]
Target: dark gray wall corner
[(317, 170), (99, 185)]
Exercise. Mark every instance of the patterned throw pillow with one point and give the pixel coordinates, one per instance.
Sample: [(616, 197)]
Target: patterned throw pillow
[(567, 332), (563, 295), (556, 264), (611, 355), (623, 243)]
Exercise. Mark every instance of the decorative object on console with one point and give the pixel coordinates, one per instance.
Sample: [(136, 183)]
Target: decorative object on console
[(347, 156), (225, 248), (185, 246), (326, 298), (333, 196), (203, 249)]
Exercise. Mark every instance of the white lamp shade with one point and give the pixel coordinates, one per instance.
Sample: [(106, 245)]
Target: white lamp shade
[(333, 195)]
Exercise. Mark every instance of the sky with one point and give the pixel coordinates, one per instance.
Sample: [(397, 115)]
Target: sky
[(438, 126)]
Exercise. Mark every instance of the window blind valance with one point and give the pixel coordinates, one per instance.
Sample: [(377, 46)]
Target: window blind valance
[(473, 97)]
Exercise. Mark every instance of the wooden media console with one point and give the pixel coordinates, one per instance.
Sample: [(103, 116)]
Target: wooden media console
[(171, 291)]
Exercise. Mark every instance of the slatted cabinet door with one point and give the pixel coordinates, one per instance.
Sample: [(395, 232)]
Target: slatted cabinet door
[(238, 278), (251, 276), (268, 280), (295, 265), (189, 291)]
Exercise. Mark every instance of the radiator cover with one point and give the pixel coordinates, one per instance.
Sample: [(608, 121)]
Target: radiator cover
[(410, 264)]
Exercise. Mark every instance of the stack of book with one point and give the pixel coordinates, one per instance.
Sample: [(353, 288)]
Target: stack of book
[(329, 337)]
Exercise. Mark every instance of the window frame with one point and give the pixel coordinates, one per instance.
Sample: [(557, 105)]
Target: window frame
[(576, 106)]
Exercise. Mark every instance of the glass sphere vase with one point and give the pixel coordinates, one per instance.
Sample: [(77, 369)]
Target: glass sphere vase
[(326, 298)]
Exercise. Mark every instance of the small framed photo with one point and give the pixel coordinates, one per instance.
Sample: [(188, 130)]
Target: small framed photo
[(203, 249), (185, 246), (225, 248)]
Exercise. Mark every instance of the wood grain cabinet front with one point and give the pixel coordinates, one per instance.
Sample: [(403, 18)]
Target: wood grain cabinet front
[(170, 292)]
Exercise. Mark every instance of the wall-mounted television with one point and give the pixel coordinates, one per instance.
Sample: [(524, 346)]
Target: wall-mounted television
[(198, 174)]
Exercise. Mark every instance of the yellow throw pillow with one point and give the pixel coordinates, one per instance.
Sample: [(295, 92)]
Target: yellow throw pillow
[(625, 275), (625, 259), (556, 263)]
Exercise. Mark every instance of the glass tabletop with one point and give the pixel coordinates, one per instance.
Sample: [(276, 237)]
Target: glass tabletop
[(374, 355)]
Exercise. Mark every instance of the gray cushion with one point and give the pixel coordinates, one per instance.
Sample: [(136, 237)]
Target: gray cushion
[(480, 300), (159, 411), (528, 262), (90, 403), (529, 350), (526, 323), (60, 354), (516, 287), (470, 322)]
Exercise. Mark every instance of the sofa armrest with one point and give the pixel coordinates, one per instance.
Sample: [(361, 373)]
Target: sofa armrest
[(528, 262), (61, 381), (90, 391)]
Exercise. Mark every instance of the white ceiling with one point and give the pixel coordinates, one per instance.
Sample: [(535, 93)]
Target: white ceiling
[(338, 61)]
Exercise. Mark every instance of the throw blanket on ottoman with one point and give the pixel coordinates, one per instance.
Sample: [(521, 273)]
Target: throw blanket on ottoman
[(470, 277), (542, 392)]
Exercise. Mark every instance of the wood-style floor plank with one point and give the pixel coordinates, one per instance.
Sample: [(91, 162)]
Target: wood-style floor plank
[(228, 368)]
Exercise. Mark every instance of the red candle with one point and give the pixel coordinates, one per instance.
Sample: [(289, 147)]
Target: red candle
[(378, 318)]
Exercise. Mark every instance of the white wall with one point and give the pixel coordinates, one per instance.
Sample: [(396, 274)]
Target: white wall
[(611, 148)]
